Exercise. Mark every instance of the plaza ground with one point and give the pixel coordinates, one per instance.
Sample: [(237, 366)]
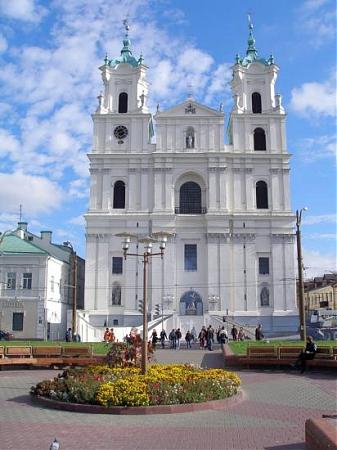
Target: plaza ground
[(271, 415)]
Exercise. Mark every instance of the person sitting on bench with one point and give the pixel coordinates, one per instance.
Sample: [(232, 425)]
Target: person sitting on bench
[(308, 353)]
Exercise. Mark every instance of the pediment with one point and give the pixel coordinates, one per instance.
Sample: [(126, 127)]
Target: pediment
[(189, 108)]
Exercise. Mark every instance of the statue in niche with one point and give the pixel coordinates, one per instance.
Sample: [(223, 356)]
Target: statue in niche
[(264, 297), (191, 308), (190, 140)]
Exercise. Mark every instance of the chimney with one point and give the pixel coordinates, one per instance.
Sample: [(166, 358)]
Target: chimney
[(46, 236)]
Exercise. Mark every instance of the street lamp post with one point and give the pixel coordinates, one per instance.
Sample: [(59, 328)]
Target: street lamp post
[(148, 241), (73, 286), (300, 274)]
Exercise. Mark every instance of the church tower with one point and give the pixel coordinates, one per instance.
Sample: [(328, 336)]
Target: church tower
[(123, 130), (227, 205)]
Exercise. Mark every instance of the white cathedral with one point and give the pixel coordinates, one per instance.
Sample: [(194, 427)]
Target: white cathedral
[(227, 205)]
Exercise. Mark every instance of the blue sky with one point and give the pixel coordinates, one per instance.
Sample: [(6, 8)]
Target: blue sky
[(49, 57)]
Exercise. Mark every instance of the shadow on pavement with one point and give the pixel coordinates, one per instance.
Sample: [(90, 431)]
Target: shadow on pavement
[(22, 399), (213, 361), (297, 446)]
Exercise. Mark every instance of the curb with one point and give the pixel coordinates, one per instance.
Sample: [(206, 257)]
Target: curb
[(141, 410)]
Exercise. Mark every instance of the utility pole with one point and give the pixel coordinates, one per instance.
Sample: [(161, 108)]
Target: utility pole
[(74, 311), (73, 286), (303, 332)]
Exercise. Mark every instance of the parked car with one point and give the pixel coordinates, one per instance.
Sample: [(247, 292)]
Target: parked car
[(6, 335)]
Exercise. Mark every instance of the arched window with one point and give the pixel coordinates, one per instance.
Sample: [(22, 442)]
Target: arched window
[(264, 296), (123, 102), (261, 195), (119, 195), (259, 139), (256, 103), (116, 296), (190, 198), (190, 138)]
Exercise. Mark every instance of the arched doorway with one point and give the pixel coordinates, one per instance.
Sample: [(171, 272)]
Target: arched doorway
[(191, 304)]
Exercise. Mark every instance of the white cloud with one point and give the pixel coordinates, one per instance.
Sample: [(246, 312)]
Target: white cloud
[(3, 43), (78, 220), (25, 10), (316, 263), (79, 188), (313, 149), (317, 20), (315, 99), (315, 236), (219, 84), (36, 194), (314, 220), (8, 143)]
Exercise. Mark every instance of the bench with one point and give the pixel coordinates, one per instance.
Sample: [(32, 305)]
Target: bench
[(289, 353), (283, 356), (44, 351), (324, 353), (18, 351), (2, 351), (267, 352), (77, 352), (334, 352)]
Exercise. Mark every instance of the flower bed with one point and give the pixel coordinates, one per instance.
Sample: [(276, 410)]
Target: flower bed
[(162, 385)]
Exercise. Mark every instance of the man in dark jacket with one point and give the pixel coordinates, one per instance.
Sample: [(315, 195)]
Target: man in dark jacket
[(258, 333), (308, 353)]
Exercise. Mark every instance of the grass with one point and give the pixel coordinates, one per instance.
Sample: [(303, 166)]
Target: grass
[(99, 348), (240, 348)]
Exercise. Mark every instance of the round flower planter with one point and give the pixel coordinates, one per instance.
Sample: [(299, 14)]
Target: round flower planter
[(141, 410)]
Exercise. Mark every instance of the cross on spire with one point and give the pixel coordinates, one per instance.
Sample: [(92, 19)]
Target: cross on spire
[(126, 27)]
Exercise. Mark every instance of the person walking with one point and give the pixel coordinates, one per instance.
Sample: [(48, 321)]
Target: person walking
[(188, 339), (202, 338), (306, 355), (154, 338), (172, 338), (241, 335), (106, 337), (194, 334), (210, 338), (163, 336), (223, 337), (178, 337), (112, 336), (258, 333), (234, 333), (69, 335)]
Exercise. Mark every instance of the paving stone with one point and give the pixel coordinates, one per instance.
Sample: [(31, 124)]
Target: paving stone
[(272, 415)]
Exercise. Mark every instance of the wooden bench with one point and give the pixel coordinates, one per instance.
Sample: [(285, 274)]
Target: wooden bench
[(334, 352), (324, 353), (267, 352), (18, 351), (286, 355), (77, 352), (289, 353), (47, 352), (2, 351)]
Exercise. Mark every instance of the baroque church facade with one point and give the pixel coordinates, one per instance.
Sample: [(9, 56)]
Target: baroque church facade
[(227, 205)]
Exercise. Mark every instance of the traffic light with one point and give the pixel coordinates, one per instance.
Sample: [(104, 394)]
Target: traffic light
[(156, 310), (224, 319), (141, 306)]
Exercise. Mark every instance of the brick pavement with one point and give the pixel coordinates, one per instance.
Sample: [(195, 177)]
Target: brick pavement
[(272, 415)]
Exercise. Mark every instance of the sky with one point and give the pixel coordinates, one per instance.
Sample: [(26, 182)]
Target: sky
[(50, 52)]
